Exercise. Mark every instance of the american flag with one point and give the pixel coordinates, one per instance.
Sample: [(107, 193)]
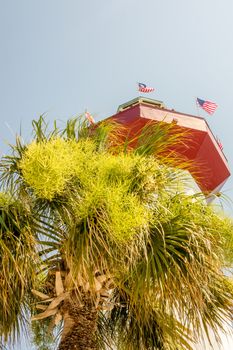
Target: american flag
[(208, 106), (143, 88), (89, 118)]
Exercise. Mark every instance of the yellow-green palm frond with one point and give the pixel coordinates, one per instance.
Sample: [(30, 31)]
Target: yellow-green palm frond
[(47, 167)]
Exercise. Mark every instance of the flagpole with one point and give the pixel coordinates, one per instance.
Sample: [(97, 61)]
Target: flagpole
[(138, 89), (198, 108)]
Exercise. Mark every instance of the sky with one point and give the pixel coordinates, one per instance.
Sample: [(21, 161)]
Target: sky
[(60, 57)]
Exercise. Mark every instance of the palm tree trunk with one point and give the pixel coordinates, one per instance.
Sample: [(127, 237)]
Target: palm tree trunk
[(80, 323)]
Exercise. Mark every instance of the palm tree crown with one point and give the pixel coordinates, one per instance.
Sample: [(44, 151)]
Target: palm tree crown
[(100, 235)]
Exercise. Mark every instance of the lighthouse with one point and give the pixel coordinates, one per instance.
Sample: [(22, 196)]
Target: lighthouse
[(201, 148)]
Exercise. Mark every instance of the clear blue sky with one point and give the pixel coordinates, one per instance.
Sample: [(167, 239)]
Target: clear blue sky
[(63, 56)]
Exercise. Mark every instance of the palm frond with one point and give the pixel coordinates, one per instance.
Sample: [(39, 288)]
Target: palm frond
[(18, 263)]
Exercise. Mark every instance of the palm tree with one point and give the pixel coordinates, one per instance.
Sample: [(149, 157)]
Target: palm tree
[(99, 238)]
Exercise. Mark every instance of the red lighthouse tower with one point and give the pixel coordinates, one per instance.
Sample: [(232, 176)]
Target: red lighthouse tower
[(201, 147)]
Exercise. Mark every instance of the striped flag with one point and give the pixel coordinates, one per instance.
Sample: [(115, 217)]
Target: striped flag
[(143, 88), (208, 106), (89, 118)]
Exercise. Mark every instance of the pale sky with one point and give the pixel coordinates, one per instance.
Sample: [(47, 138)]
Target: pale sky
[(62, 56)]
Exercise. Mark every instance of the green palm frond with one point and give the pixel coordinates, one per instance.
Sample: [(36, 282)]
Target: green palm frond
[(42, 338), (9, 167), (133, 326), (41, 130), (157, 138), (18, 261), (179, 254), (76, 128)]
